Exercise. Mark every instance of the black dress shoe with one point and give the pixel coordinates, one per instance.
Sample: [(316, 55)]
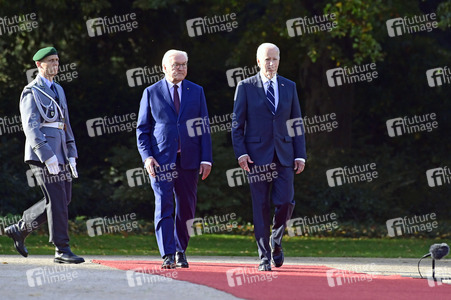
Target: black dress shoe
[(14, 232), (264, 265), (181, 260), (169, 262), (67, 257), (277, 253)]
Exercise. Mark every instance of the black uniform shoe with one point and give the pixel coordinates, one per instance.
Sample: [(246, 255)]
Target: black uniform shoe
[(67, 257), (14, 232), (181, 260), (264, 265), (169, 262), (277, 253)]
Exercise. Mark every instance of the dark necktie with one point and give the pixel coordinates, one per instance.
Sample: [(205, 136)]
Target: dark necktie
[(176, 99), (271, 98), (53, 88), (177, 107)]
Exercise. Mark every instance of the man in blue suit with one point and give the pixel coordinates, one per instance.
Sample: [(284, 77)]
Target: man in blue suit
[(174, 142), (266, 137)]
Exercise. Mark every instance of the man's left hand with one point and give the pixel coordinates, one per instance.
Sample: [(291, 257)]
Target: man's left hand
[(73, 167), (204, 170), (299, 166)]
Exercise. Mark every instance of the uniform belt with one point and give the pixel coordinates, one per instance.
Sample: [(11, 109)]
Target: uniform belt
[(58, 125)]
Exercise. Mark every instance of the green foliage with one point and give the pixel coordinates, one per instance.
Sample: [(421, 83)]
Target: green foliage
[(361, 37)]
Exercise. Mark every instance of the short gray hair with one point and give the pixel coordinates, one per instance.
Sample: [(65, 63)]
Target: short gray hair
[(264, 46), (172, 52)]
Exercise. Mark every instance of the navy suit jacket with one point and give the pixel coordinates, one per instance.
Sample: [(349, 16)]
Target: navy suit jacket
[(159, 127), (258, 132)]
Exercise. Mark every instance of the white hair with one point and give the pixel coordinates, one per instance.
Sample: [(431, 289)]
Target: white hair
[(264, 46), (171, 53)]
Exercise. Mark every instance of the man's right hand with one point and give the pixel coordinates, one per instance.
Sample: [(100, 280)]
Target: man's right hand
[(52, 165), (244, 161), (150, 164)]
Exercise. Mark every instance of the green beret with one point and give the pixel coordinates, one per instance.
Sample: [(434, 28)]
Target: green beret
[(44, 52)]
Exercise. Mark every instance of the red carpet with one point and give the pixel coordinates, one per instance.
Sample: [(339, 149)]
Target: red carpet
[(292, 281)]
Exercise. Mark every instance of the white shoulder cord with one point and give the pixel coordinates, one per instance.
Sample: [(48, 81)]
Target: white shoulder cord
[(40, 109)]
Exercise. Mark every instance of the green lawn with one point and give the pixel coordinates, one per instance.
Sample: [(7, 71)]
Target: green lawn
[(232, 245)]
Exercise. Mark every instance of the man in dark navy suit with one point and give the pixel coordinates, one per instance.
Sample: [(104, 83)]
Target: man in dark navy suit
[(175, 145), (266, 110)]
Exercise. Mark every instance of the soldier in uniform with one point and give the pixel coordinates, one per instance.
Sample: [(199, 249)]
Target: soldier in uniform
[(50, 152)]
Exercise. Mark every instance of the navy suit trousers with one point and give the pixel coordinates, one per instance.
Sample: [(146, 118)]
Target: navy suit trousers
[(172, 233), (279, 189)]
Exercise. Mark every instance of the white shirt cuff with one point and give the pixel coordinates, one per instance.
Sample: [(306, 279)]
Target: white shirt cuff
[(243, 156)]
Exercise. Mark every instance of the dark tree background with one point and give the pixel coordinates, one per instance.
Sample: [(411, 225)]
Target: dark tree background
[(362, 109)]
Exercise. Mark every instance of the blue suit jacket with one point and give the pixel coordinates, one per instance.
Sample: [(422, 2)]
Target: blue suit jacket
[(159, 127), (258, 132)]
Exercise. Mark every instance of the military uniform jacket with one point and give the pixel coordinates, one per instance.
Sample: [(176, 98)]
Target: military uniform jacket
[(36, 109)]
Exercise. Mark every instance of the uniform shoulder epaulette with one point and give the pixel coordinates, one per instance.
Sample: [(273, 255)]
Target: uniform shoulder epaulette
[(31, 84)]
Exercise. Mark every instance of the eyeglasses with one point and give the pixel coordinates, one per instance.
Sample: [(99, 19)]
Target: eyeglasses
[(180, 66)]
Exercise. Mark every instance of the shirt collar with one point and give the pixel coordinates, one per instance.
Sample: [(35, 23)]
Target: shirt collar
[(265, 79), (47, 82), (170, 84)]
